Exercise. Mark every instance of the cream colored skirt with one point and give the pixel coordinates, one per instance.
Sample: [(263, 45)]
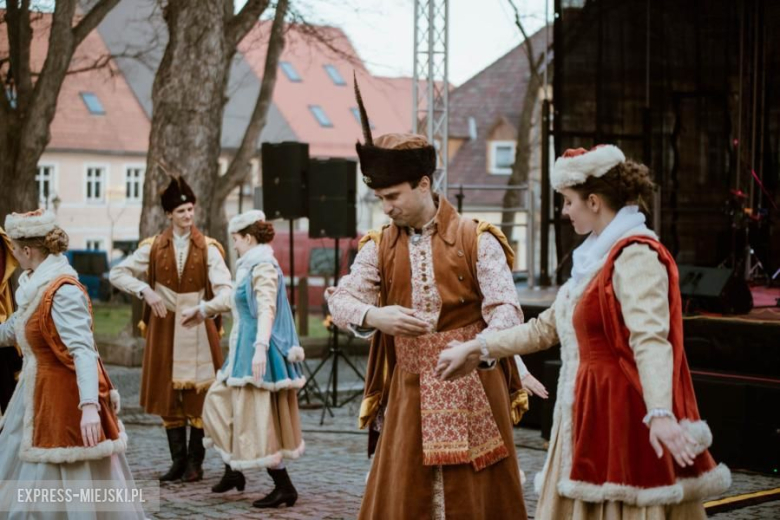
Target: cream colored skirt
[(553, 506), (251, 427)]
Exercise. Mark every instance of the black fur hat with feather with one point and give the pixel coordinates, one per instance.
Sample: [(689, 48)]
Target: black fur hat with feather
[(392, 158), (177, 193)]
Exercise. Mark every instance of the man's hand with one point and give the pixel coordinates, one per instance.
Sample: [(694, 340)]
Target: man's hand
[(90, 425), (396, 321), (666, 431), (154, 301), (457, 360), (191, 317)]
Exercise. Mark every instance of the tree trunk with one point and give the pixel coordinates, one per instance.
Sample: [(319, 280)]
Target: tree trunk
[(187, 106), (522, 166), (25, 123)]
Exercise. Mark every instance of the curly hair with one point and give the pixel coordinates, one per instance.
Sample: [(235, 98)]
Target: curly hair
[(262, 231), (55, 242), (628, 182)]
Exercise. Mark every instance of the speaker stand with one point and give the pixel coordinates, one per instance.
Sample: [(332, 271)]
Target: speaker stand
[(330, 396)]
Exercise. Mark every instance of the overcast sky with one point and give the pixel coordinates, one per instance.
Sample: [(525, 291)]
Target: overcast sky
[(382, 31)]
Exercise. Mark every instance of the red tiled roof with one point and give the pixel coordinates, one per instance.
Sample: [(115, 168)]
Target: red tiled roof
[(495, 93), (309, 57), (123, 128)]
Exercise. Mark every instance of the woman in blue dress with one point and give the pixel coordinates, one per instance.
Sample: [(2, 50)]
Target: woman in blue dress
[(251, 411)]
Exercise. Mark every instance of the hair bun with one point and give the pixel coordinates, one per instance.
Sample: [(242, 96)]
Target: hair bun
[(56, 241)]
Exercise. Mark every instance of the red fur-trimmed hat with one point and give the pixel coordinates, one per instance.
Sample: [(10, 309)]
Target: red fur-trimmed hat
[(577, 164)]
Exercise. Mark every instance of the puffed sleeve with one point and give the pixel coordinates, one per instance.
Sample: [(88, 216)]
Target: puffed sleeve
[(125, 275), (357, 292), (71, 317), (536, 334), (7, 332), (265, 284), (641, 285)]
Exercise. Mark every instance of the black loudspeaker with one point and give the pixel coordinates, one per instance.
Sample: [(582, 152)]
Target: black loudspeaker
[(332, 196), (714, 290), (285, 168)]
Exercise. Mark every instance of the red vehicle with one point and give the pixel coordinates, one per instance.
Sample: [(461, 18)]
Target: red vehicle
[(314, 260)]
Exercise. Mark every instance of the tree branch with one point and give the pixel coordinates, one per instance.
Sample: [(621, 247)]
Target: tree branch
[(529, 48), (247, 17), (92, 19), (239, 166)]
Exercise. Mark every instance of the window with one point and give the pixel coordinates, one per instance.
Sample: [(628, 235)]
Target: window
[(134, 183), (502, 157), (320, 116), (335, 75), (94, 105), (356, 115), (44, 179), (290, 71), (95, 244), (96, 179)]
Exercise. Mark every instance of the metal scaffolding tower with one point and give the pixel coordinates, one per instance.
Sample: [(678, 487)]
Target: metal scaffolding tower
[(431, 104)]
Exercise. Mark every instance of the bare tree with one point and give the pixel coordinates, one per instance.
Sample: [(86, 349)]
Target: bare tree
[(188, 99), (28, 102), (522, 164)]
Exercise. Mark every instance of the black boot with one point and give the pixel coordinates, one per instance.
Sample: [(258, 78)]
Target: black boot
[(231, 479), (177, 442), (283, 493), (197, 452)]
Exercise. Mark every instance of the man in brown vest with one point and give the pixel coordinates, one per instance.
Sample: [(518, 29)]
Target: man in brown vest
[(183, 268), (431, 277), (10, 358)]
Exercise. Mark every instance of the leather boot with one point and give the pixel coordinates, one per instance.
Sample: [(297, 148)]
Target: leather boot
[(230, 479), (177, 442), (196, 454), (283, 493)]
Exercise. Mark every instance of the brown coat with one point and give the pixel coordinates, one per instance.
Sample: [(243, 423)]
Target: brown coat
[(399, 485), (157, 393), (52, 424)]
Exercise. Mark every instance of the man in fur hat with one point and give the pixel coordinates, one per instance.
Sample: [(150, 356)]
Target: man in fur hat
[(431, 277), (10, 358), (182, 268)]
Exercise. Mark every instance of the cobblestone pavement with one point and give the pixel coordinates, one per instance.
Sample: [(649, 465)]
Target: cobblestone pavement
[(330, 477)]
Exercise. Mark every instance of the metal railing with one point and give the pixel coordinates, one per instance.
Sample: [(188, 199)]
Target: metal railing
[(528, 208)]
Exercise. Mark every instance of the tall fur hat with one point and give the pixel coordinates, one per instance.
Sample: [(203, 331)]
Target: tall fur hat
[(177, 193), (392, 158), (576, 165), (32, 224)]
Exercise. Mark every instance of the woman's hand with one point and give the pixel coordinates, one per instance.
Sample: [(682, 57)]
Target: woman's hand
[(665, 431), (457, 360), (258, 362), (90, 425), (191, 317), (533, 386)]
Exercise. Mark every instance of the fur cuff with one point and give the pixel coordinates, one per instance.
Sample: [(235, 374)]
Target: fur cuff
[(116, 400), (700, 432), (296, 355)]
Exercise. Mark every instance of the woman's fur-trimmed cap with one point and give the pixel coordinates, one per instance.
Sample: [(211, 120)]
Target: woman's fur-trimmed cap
[(245, 219), (576, 165), (32, 224)]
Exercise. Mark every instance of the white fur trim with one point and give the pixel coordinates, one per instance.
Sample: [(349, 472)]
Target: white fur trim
[(25, 225), (28, 452), (282, 384), (571, 171), (270, 461), (712, 483), (296, 354), (116, 400), (245, 219), (701, 433)]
